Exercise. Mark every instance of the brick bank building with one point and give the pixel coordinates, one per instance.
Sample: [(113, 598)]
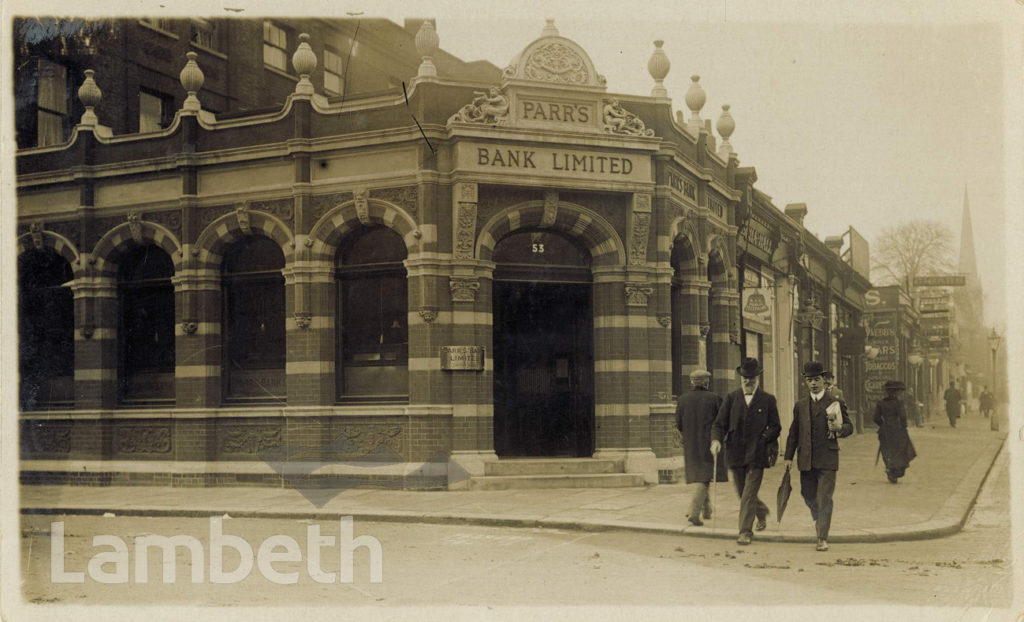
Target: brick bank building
[(412, 286)]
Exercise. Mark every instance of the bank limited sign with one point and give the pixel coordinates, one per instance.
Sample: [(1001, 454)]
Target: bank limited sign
[(548, 161)]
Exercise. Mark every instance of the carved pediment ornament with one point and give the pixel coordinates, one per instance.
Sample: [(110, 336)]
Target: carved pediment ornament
[(556, 62), (490, 108), (665, 319), (429, 314), (618, 120), (303, 320)]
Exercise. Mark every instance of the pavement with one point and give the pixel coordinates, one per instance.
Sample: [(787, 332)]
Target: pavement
[(933, 500)]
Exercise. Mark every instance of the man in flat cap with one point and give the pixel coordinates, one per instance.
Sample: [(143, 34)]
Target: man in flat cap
[(694, 415), (818, 421), (748, 426)]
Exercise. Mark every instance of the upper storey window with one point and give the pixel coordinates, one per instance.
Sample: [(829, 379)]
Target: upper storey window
[(275, 46)]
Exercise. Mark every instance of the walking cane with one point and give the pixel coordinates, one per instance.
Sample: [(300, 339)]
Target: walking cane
[(714, 485)]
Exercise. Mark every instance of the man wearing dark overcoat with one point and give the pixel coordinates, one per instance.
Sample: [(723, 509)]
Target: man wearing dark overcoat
[(953, 398), (893, 440), (694, 415), (748, 428), (818, 421)]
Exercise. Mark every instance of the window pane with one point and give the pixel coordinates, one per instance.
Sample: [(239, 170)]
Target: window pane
[(50, 129), (53, 87), (150, 112), (332, 83), (45, 329), (332, 62), (275, 57)]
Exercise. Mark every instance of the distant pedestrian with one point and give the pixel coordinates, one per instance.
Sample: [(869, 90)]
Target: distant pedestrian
[(695, 413), (819, 420), (893, 440), (832, 388), (952, 397), (986, 402), (914, 411), (748, 426)]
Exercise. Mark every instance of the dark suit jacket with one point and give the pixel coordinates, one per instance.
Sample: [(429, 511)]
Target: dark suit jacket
[(695, 413), (747, 430), (809, 434)]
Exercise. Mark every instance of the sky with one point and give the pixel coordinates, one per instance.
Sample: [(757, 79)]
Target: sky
[(870, 114)]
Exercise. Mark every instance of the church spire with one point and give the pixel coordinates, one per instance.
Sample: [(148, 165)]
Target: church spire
[(967, 264)]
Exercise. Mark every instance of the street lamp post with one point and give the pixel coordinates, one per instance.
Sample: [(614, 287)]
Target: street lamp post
[(993, 343)]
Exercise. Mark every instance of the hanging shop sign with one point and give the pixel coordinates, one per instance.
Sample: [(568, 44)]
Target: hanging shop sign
[(944, 280), (759, 235)]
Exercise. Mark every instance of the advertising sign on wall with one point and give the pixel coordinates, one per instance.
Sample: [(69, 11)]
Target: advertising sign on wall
[(883, 359), (757, 305)]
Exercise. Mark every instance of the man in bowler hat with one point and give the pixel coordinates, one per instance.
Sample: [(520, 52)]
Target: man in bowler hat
[(748, 426), (695, 413), (818, 421)]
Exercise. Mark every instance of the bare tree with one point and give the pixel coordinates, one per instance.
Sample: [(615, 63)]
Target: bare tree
[(912, 249)]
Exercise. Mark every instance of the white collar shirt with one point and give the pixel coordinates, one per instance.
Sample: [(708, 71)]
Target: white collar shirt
[(817, 396)]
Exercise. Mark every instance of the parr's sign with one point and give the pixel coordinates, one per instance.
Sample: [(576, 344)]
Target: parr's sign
[(575, 163), (462, 358)]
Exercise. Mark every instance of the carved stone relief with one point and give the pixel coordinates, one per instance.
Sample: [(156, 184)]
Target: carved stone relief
[(406, 197), (362, 206), (366, 438), (250, 440), (638, 241), (320, 204), (465, 230), (637, 294), (49, 439), (618, 120), (143, 440), (556, 62), (463, 288), (168, 218), (550, 209), (490, 108), (282, 208), (135, 227)]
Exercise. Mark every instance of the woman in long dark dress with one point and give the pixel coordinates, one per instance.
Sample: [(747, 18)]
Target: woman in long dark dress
[(894, 441)]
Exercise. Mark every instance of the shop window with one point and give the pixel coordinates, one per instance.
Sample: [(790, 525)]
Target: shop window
[(52, 120), (753, 346), (275, 46), (332, 72), (155, 111), (254, 326), (373, 338), (146, 331), (46, 333)]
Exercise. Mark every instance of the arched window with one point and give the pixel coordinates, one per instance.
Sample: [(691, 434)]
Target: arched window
[(146, 331), (373, 335), (46, 331), (254, 329)]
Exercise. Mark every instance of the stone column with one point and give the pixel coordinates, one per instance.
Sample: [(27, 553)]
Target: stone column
[(724, 329), (622, 387), (470, 290), (198, 342), (310, 301), (95, 342)]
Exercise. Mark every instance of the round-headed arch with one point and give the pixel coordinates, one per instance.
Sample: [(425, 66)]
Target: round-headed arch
[(112, 247), (684, 247), (222, 232), (594, 232), (328, 232), (720, 265), (48, 239)]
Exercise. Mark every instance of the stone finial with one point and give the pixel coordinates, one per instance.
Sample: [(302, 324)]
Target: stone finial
[(550, 30), (725, 127), (304, 62), (427, 43), (658, 67), (695, 98), (192, 79), (89, 94)]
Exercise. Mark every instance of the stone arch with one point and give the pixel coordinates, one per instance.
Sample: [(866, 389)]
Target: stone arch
[(597, 235), (684, 249), (219, 234), (115, 243), (54, 241), (721, 271), (325, 236)]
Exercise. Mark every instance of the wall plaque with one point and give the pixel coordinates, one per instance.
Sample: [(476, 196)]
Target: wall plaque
[(462, 358)]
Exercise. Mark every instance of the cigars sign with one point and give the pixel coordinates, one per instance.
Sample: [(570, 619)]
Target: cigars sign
[(544, 161)]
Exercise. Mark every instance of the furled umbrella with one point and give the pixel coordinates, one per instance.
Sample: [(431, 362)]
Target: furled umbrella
[(782, 498)]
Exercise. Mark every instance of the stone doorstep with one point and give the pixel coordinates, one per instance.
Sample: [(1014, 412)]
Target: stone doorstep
[(596, 480)]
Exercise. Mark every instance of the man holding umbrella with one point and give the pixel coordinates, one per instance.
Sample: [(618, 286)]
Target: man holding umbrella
[(694, 415), (748, 422), (818, 421)]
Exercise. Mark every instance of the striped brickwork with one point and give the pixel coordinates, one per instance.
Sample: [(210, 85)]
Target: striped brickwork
[(95, 342)]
